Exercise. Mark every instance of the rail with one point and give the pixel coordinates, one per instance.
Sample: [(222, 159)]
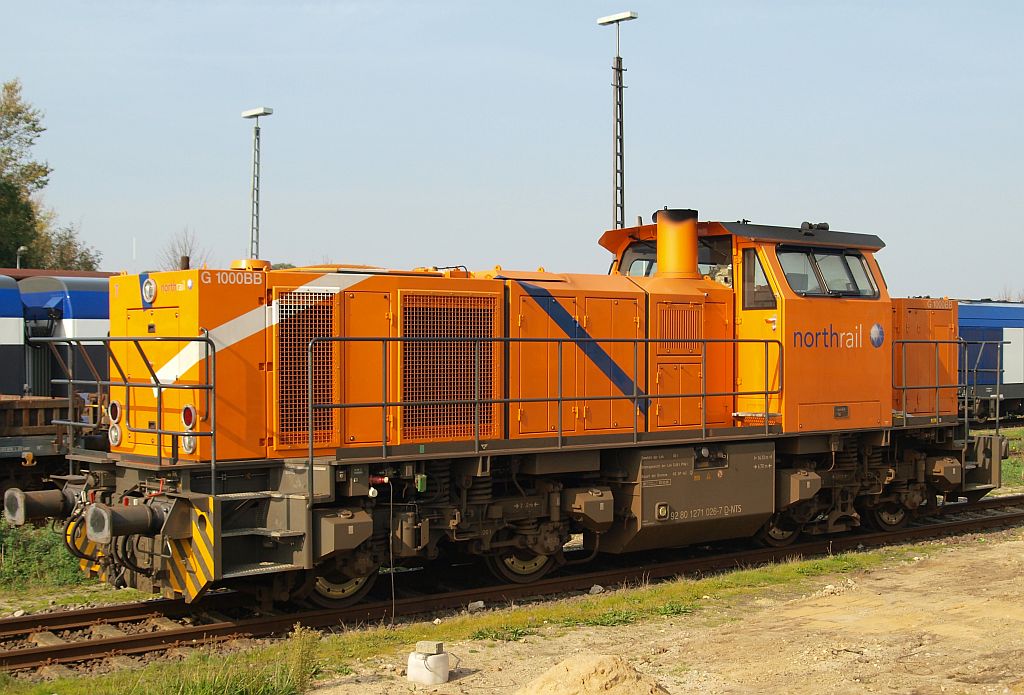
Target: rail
[(76, 348)]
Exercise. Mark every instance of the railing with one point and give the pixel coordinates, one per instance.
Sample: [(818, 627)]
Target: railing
[(962, 382), (560, 397), (76, 348)]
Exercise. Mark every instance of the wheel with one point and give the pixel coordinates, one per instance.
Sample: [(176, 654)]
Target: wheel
[(335, 590), (888, 517), (518, 565), (777, 532)]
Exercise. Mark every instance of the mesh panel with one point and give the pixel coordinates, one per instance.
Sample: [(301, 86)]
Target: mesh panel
[(303, 316), (438, 370), (679, 323)]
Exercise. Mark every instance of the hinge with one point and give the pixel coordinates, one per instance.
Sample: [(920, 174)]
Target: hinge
[(636, 320), (586, 318), (519, 415), (519, 320), (657, 409), (390, 316), (270, 366)]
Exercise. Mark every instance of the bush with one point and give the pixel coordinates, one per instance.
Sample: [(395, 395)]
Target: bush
[(35, 557)]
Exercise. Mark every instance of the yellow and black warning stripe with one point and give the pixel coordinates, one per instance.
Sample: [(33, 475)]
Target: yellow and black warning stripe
[(193, 561), (79, 540)]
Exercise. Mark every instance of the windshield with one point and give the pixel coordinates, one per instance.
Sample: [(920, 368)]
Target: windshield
[(827, 272)]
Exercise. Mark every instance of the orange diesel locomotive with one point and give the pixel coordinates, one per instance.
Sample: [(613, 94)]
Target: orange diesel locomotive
[(292, 432)]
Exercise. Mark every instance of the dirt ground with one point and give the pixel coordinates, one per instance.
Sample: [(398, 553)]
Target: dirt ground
[(952, 622)]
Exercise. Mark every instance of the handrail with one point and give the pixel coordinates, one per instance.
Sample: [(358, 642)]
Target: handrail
[(68, 367), (635, 397), (963, 370)]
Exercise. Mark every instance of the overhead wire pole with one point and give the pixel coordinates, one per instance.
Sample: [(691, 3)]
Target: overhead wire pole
[(618, 132), (254, 226)]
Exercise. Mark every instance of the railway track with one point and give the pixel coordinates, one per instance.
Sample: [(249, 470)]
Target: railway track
[(52, 640)]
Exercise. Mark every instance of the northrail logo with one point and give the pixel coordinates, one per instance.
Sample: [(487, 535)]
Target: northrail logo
[(830, 338)]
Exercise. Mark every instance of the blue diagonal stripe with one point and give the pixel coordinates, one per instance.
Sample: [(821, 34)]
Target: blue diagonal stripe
[(593, 351)]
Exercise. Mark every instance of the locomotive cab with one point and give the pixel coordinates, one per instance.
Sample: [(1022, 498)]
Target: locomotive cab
[(820, 299)]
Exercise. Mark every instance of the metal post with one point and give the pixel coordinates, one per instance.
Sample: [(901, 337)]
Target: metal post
[(384, 397), (618, 147), (618, 144), (476, 396), (559, 344), (254, 229)]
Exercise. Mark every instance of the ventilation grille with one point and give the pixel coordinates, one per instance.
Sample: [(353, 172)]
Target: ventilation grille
[(302, 316), (448, 370), (679, 323)]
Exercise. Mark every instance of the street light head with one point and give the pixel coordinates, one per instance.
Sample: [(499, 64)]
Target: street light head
[(22, 249), (616, 18), (256, 113)]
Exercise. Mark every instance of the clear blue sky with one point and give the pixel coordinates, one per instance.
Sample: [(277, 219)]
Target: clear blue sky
[(420, 133)]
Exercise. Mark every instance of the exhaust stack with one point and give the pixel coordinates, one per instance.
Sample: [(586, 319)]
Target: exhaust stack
[(677, 243)]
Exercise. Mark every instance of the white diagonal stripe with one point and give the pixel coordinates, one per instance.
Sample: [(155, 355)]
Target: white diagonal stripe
[(241, 327)]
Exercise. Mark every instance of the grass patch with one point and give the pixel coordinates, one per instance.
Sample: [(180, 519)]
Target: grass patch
[(503, 633), (675, 608), (35, 557), (1013, 467), (283, 669)]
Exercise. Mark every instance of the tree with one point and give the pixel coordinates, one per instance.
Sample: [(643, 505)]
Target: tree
[(21, 124), (184, 243), (60, 247), (17, 224)]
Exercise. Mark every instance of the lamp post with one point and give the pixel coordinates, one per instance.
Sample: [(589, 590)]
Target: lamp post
[(618, 151), (254, 228), (21, 250)]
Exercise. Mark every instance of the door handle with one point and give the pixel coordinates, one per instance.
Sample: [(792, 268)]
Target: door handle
[(774, 322)]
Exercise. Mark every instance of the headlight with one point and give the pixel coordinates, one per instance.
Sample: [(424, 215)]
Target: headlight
[(114, 434), (188, 444), (149, 290)]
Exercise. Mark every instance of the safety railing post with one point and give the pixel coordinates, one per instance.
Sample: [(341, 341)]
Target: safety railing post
[(636, 402), (384, 398), (558, 343), (766, 418), (476, 396), (704, 391)]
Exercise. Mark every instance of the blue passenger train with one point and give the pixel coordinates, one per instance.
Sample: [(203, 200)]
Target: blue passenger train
[(34, 304), (998, 375)]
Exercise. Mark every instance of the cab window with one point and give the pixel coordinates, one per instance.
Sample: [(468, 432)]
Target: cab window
[(757, 293), (714, 258), (827, 272)]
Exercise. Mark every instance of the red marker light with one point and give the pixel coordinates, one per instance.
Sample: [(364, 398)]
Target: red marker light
[(188, 417)]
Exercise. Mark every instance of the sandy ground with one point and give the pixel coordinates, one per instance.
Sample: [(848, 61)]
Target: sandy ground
[(951, 623)]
